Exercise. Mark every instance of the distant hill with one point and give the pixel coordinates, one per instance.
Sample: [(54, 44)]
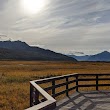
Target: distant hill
[(80, 58), (103, 56), (18, 50)]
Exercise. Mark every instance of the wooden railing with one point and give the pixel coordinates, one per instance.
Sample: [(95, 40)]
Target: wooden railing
[(48, 102)]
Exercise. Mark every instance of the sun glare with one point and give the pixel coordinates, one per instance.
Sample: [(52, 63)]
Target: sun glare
[(33, 6)]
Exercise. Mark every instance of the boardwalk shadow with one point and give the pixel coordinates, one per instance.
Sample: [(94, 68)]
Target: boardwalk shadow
[(97, 100)]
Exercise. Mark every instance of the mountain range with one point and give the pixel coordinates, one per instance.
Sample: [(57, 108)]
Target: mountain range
[(103, 56), (18, 50)]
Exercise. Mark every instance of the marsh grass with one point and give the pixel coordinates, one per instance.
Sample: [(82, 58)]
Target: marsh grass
[(15, 77)]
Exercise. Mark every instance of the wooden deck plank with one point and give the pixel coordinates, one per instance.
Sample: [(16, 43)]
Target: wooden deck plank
[(95, 100)]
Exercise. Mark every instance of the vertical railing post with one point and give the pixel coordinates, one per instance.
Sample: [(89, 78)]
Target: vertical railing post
[(53, 88), (66, 86), (97, 82), (31, 95), (77, 82), (36, 97)]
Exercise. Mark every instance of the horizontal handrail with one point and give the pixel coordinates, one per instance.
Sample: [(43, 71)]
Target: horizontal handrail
[(59, 85), (106, 74), (46, 80)]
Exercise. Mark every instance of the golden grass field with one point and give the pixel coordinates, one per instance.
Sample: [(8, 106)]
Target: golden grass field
[(15, 77)]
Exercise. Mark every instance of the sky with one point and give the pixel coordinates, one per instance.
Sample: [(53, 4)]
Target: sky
[(65, 26)]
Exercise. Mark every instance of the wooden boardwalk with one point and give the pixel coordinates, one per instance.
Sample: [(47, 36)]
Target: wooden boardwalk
[(95, 100)]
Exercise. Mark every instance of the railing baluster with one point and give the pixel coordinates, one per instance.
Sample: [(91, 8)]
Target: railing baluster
[(97, 82), (53, 88), (77, 82), (66, 86), (36, 97), (31, 95)]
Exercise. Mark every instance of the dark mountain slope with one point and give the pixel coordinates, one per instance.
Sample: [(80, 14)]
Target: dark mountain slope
[(14, 45), (18, 50)]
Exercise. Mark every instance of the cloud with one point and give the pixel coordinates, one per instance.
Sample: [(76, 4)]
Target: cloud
[(64, 25)]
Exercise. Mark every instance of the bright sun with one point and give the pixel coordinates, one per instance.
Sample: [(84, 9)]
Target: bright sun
[(33, 6)]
